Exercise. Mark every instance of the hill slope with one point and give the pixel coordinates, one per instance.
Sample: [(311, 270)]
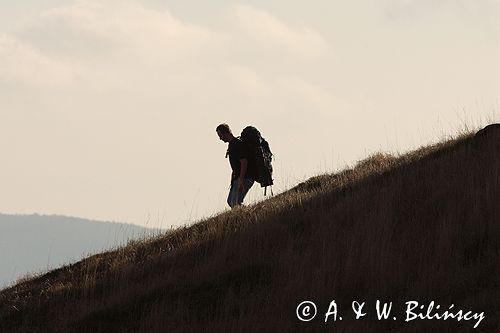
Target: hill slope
[(422, 227)]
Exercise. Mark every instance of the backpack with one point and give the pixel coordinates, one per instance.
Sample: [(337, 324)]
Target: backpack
[(262, 156)]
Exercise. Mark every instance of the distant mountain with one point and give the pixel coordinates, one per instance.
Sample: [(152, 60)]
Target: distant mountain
[(35, 243)]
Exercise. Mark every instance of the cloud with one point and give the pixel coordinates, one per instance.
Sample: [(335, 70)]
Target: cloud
[(116, 41), (118, 46), (125, 22), (267, 31), (22, 63)]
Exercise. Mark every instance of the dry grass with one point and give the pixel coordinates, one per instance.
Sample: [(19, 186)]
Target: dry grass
[(424, 226)]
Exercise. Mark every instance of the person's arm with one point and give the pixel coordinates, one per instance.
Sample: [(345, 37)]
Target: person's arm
[(243, 168), (243, 172)]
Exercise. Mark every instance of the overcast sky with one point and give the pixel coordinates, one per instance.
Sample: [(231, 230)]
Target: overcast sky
[(108, 108)]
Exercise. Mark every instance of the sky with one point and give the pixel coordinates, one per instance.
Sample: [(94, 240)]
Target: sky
[(108, 109)]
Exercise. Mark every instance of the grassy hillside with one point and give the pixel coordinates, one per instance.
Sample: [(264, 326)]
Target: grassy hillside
[(420, 227)]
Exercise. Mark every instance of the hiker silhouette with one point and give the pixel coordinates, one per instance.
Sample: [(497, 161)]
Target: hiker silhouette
[(242, 165)]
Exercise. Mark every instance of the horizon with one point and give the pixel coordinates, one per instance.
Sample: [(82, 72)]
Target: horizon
[(109, 108)]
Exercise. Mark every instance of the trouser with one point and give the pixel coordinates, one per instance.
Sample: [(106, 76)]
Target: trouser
[(236, 197)]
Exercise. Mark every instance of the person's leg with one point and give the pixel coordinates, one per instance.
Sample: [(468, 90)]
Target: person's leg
[(232, 198), (246, 187)]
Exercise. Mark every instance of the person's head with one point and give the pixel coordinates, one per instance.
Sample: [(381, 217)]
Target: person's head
[(224, 132)]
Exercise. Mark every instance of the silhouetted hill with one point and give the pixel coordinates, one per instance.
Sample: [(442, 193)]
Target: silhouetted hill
[(32, 243), (422, 227)]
